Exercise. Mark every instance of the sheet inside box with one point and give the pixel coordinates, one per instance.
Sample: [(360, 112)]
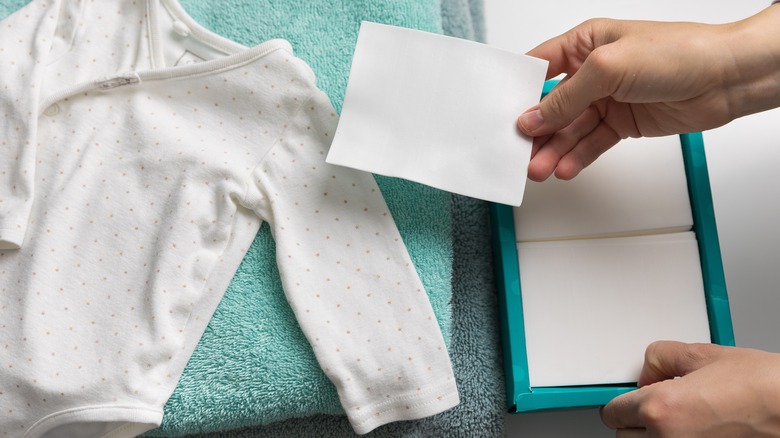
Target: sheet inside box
[(522, 395), (638, 187), (591, 306)]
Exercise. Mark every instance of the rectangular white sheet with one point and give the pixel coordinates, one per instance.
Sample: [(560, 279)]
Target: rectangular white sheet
[(438, 110), (591, 307), (637, 187)]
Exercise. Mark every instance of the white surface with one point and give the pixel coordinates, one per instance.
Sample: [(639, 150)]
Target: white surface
[(438, 110), (591, 306), (742, 156), (638, 188)]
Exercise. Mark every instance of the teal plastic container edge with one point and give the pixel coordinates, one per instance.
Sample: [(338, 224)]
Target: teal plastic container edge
[(521, 397), (700, 193)]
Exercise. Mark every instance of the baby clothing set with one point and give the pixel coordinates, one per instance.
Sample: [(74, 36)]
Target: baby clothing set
[(139, 154)]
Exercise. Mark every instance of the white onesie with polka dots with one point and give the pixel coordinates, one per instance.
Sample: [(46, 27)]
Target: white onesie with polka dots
[(139, 154)]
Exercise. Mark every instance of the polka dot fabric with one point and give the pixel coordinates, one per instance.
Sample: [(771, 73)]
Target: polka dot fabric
[(131, 187), (347, 277)]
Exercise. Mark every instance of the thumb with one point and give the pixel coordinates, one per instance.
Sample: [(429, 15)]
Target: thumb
[(669, 359), (567, 101)]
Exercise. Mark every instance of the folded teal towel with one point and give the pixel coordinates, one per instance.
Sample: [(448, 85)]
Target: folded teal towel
[(253, 364)]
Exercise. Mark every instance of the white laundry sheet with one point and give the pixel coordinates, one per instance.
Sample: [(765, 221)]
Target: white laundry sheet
[(592, 306), (637, 187), (438, 110)]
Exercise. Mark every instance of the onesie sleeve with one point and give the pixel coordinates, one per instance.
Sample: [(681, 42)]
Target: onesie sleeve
[(349, 278), (26, 40)]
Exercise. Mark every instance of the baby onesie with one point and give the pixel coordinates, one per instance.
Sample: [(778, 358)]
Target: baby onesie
[(139, 153)]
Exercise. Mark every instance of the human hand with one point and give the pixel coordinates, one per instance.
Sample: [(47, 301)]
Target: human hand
[(721, 392), (639, 78)]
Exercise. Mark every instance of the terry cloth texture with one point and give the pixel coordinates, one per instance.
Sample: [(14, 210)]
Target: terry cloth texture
[(475, 344)]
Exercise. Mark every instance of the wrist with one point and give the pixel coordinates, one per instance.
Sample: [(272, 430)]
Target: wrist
[(751, 72)]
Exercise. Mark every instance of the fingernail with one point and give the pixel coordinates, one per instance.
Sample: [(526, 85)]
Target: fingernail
[(531, 121)]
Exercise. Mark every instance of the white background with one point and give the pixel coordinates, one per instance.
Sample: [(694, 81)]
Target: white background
[(743, 159)]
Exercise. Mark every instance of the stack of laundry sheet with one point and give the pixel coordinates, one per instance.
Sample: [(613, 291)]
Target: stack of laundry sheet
[(608, 264), (253, 365)]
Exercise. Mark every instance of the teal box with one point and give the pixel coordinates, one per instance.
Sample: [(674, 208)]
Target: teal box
[(521, 397)]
